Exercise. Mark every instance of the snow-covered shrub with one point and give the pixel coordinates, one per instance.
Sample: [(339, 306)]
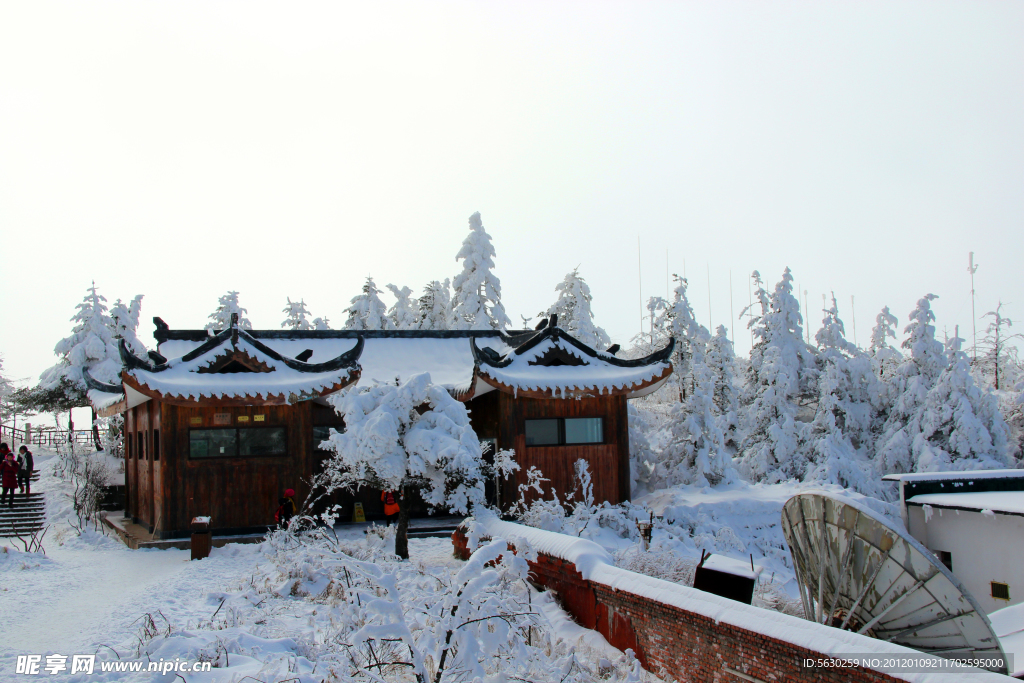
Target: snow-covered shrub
[(296, 316)]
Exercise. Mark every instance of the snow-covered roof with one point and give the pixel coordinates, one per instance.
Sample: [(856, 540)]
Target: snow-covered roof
[(1000, 502), (955, 476), (729, 565), (232, 366), (552, 364)]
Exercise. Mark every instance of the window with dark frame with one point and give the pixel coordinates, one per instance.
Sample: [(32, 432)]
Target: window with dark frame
[(156, 445), (1000, 591), (247, 442), (564, 431), (142, 446), (128, 446), (322, 433)]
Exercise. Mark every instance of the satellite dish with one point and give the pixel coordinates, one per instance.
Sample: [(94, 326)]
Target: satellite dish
[(856, 572)]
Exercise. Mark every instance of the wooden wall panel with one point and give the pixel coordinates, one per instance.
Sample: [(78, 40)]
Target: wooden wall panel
[(608, 462), (144, 499), (238, 493)]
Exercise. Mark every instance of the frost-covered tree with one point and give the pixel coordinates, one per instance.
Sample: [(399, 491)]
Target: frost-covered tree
[(435, 306), (406, 437), (476, 303), (221, 318), (961, 426), (296, 316), (909, 388), (840, 435), (125, 324), (696, 452), (782, 374), (403, 313), (994, 361), (677, 321), (321, 323), (574, 312), (721, 361), (367, 311), (90, 347)]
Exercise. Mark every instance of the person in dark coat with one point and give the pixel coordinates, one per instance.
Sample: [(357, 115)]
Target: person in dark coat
[(285, 510), (26, 463), (8, 477)]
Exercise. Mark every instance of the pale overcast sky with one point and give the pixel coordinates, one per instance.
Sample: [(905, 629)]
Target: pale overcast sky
[(182, 149)]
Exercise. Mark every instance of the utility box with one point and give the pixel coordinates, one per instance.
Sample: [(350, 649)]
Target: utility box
[(201, 538), (729, 578)]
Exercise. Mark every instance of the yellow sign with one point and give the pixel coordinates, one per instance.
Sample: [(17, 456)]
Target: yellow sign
[(243, 418), (195, 420), (259, 418), (357, 513)]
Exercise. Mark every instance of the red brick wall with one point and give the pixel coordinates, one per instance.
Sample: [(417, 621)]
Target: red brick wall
[(673, 642)]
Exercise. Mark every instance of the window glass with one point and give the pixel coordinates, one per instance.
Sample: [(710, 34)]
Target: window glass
[(212, 443), (262, 441), (584, 430), (542, 432)]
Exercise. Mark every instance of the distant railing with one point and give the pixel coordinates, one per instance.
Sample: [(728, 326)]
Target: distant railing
[(44, 436)]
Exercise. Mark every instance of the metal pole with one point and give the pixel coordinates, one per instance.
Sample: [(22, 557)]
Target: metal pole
[(640, 285), (974, 316), (709, 294), (853, 314), (732, 320)]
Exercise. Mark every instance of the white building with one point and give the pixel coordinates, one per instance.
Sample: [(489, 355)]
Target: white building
[(974, 523)]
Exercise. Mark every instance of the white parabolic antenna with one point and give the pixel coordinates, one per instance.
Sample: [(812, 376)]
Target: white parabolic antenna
[(856, 572)]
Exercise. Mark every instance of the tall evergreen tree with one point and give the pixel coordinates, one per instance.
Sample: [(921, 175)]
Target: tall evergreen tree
[(782, 374), (573, 309), (840, 435), (721, 361), (367, 311), (961, 426), (435, 306), (476, 303), (403, 313), (220, 319), (296, 316), (909, 388), (125, 324)]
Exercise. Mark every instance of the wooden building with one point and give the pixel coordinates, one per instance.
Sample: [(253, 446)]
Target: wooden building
[(221, 424)]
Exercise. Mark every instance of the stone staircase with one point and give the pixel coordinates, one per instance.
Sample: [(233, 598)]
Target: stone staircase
[(27, 516)]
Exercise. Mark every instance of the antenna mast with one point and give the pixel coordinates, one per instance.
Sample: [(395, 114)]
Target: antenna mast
[(853, 314), (972, 269)]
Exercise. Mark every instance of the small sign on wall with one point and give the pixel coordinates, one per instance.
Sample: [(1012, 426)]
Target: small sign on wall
[(195, 420), (243, 418), (222, 418), (259, 418)]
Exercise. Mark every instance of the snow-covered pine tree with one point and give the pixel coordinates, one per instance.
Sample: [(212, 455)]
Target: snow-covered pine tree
[(696, 452), (321, 323), (677, 321), (961, 426), (296, 316), (125, 324), (90, 346), (367, 311), (574, 312), (782, 375), (994, 361), (839, 438), (221, 318), (403, 313), (883, 355), (401, 438), (909, 387), (721, 361), (476, 304), (435, 306)]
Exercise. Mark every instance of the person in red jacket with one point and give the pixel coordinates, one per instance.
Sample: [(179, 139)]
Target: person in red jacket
[(8, 476), (391, 507)]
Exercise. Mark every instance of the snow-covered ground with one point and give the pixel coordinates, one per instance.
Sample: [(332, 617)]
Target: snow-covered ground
[(262, 610)]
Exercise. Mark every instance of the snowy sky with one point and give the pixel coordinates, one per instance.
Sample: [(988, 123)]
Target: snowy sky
[(182, 149)]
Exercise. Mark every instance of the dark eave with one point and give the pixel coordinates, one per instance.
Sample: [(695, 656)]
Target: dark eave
[(97, 385), (164, 333), (346, 360), (490, 357)]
